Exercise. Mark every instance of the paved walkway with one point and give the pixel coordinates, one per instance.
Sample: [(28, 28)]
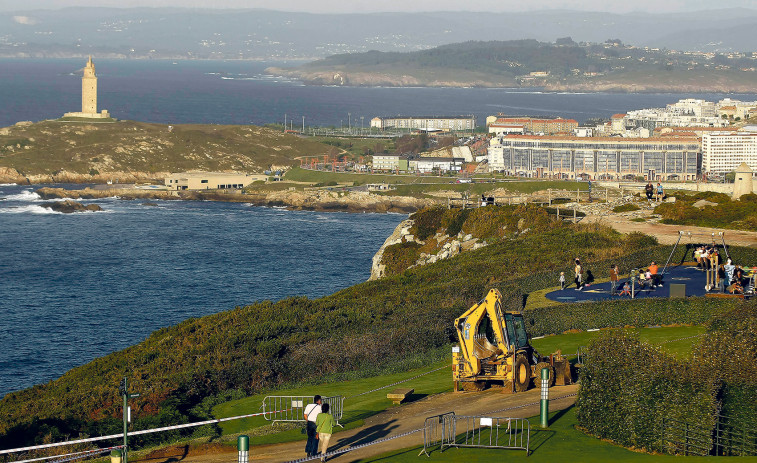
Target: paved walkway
[(668, 234), (393, 421)]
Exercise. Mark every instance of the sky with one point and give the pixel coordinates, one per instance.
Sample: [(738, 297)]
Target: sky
[(369, 6)]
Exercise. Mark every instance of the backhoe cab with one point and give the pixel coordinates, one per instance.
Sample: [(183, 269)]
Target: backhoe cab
[(494, 351)]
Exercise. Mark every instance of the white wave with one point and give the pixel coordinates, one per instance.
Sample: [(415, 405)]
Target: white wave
[(25, 195), (8, 184), (31, 209)]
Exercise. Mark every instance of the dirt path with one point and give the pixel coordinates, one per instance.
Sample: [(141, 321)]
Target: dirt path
[(396, 420), (668, 234)]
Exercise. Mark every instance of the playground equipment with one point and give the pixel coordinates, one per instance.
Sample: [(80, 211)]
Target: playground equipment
[(495, 350)]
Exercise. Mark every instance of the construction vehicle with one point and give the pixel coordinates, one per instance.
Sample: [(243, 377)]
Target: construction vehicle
[(495, 351)]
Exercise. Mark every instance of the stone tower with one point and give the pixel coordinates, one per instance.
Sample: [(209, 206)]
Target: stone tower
[(742, 184), (89, 89)]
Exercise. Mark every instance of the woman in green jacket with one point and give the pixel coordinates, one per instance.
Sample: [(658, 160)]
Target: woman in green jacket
[(324, 426)]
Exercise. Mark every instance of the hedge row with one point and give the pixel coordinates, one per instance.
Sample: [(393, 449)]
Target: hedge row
[(629, 389), (627, 312)]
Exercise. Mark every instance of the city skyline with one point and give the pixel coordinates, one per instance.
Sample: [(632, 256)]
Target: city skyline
[(365, 6)]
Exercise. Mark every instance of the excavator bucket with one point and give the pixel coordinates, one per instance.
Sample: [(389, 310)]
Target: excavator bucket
[(563, 374)]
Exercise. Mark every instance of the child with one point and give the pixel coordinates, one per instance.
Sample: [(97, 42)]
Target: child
[(324, 428), (562, 280), (589, 278)]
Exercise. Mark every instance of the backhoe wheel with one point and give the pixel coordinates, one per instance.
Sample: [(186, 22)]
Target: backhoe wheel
[(537, 374), (521, 373)]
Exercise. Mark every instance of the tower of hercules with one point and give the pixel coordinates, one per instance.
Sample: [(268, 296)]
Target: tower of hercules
[(89, 95), (89, 89)]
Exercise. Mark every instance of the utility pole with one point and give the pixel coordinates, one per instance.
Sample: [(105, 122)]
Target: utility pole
[(303, 125), (361, 125), (124, 390), (285, 122)]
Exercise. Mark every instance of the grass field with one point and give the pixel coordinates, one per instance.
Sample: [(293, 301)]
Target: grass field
[(359, 408)]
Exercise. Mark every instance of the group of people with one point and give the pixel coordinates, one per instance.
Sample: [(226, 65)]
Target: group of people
[(652, 192), (647, 277), (650, 276), (733, 278), (578, 276), (319, 427)]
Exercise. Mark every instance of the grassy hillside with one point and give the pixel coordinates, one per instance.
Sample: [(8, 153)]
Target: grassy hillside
[(87, 148), (396, 322)]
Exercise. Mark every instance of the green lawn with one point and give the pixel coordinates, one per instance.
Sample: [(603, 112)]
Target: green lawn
[(359, 408), (561, 442), (356, 409)]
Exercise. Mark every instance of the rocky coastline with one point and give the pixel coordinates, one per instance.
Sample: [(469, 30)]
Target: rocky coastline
[(308, 200)]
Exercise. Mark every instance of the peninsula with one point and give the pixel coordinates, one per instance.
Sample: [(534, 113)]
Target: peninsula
[(563, 65)]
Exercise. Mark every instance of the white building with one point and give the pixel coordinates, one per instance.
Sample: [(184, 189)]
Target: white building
[(685, 113), (428, 123), (389, 162), (428, 165), (723, 152)]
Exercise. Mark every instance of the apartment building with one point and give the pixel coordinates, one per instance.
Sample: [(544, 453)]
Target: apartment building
[(596, 157), (723, 152)]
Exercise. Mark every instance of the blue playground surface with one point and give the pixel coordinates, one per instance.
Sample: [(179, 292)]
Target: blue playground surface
[(694, 279)]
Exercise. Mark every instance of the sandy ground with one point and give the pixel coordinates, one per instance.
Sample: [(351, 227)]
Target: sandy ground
[(668, 234), (394, 421)]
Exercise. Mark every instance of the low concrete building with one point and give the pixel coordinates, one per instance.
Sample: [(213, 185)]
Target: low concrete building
[(390, 162), (207, 181), (428, 165)]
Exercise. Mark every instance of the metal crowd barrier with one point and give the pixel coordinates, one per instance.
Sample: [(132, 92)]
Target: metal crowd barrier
[(291, 408), (451, 430), (436, 431)]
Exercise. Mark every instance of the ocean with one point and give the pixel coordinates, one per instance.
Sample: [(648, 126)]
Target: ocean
[(74, 287), (237, 92)]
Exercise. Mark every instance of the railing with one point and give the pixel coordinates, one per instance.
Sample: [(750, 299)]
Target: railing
[(291, 408), (475, 432), (435, 432), (726, 438), (488, 432)]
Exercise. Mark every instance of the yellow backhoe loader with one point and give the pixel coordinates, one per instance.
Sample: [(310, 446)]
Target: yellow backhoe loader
[(494, 350)]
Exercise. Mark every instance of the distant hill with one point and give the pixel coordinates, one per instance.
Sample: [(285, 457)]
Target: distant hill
[(176, 33), (80, 151), (560, 65)]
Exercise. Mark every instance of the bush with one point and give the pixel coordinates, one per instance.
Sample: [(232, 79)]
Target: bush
[(628, 207), (627, 312), (628, 388), (427, 222)]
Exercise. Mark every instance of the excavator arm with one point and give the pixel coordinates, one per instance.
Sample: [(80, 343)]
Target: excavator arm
[(481, 332)]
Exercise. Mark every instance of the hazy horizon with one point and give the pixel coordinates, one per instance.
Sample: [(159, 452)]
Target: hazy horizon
[(364, 6)]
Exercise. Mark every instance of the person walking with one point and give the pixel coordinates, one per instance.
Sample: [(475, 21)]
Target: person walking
[(311, 415), (324, 428), (578, 271), (614, 277)]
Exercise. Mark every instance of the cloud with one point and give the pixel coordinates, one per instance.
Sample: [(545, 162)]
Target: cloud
[(25, 20)]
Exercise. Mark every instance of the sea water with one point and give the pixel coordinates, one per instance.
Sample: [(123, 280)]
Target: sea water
[(74, 287), (239, 92)]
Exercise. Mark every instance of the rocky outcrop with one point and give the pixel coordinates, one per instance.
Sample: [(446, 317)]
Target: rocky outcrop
[(311, 200), (69, 206), (11, 175), (444, 247)]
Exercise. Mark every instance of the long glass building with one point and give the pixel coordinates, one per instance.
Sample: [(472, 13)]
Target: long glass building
[(664, 158)]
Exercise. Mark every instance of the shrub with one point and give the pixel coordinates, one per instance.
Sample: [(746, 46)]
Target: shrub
[(628, 388), (398, 257), (628, 207), (427, 222)]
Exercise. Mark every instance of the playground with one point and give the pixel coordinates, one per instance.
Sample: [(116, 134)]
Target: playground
[(682, 279)]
